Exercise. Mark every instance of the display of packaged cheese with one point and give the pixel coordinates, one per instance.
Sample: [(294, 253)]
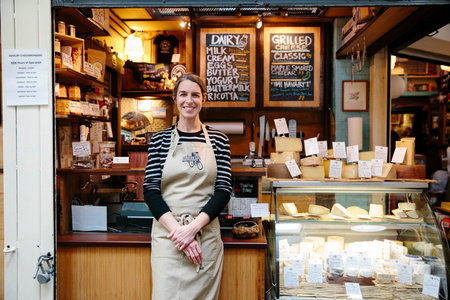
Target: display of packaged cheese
[(350, 171), (340, 211), (282, 157), (312, 172), (407, 142), (318, 210), (410, 172), (311, 161), (278, 171), (287, 144), (366, 155)]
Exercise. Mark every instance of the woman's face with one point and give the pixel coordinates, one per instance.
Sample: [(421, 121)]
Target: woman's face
[(189, 99)]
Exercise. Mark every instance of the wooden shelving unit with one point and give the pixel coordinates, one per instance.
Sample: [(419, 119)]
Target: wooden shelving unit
[(84, 25), (69, 76)]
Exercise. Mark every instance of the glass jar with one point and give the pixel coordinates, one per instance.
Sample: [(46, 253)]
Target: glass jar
[(107, 153), (58, 61), (71, 30), (61, 27)]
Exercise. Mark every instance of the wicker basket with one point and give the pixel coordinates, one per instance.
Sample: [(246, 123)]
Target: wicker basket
[(245, 229)]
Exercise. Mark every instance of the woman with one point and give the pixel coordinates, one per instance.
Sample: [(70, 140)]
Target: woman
[(187, 185)]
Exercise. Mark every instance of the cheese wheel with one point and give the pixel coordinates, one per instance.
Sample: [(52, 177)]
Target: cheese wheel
[(282, 157), (312, 172), (311, 161), (350, 171), (340, 211), (376, 211), (287, 144), (356, 210), (278, 171), (318, 210), (411, 172)]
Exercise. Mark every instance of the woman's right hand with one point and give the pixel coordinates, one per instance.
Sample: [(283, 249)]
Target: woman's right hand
[(193, 252)]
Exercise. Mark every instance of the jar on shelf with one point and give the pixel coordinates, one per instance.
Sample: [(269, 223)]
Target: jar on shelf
[(61, 27), (74, 92), (107, 153), (62, 103), (71, 30), (58, 61)]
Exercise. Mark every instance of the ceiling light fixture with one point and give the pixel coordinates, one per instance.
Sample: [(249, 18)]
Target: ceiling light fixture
[(133, 48), (259, 22), (186, 23)]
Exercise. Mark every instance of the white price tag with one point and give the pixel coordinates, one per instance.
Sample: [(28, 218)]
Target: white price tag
[(259, 210), (335, 169), (335, 261), (377, 167), (85, 109), (431, 285), (293, 168), (381, 152), (364, 169), (95, 109), (311, 146), (121, 160), (323, 148), (291, 277), (339, 150), (298, 263), (404, 274), (281, 126), (283, 248), (81, 148), (353, 290), (399, 155), (352, 153), (75, 107), (314, 271)]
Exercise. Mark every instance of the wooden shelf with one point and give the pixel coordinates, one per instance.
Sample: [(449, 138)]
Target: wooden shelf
[(377, 29), (164, 94), (73, 118), (84, 25), (69, 76), (126, 147)]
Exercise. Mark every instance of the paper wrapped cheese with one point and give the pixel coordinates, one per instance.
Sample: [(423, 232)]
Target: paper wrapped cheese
[(312, 172), (311, 161), (282, 157), (408, 143), (287, 144)]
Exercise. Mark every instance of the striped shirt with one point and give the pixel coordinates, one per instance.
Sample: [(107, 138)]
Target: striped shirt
[(157, 153)]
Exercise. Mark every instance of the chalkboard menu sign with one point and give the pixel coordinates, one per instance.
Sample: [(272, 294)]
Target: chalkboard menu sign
[(292, 66), (227, 65)]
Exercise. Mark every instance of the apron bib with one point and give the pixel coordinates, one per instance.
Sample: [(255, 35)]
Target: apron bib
[(187, 183)]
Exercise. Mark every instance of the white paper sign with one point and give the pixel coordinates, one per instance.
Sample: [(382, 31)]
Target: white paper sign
[(404, 274), (290, 277), (259, 210), (121, 160), (353, 290), (311, 146), (293, 168), (352, 153), (335, 169), (364, 169), (298, 263), (283, 248), (25, 74), (159, 112), (323, 149), (281, 126), (175, 57), (381, 152), (314, 271), (377, 167), (339, 150), (399, 155), (431, 285), (81, 148), (335, 261), (241, 207)]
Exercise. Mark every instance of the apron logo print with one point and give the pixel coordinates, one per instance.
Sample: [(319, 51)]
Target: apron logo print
[(193, 160)]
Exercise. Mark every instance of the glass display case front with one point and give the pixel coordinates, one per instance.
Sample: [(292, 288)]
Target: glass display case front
[(380, 238)]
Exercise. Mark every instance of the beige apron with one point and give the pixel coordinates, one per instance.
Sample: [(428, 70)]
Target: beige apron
[(188, 179)]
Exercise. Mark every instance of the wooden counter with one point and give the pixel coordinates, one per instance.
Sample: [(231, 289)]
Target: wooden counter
[(117, 266)]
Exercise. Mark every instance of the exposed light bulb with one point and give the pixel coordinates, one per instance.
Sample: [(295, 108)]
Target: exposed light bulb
[(259, 22)]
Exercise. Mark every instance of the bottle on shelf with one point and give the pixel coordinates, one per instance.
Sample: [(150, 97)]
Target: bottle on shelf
[(58, 60)]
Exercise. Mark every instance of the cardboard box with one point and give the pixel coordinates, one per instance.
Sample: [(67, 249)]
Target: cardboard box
[(98, 59)]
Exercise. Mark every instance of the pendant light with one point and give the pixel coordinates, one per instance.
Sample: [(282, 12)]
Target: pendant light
[(133, 48)]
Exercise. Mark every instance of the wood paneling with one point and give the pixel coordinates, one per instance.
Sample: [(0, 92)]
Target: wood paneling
[(86, 273)]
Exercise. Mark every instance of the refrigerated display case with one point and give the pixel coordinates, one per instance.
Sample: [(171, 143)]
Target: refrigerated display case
[(380, 237)]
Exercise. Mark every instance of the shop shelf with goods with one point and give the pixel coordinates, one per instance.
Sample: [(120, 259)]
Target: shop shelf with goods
[(328, 233)]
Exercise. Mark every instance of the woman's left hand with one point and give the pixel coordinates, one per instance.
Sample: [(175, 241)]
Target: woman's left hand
[(182, 236)]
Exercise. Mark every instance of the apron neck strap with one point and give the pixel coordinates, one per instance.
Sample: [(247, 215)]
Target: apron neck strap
[(175, 137)]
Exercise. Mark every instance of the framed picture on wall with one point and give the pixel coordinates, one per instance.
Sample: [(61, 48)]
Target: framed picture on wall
[(227, 65), (354, 95)]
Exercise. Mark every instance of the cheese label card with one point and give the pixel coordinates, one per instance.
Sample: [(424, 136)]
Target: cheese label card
[(283, 248), (323, 148), (431, 285), (352, 153), (81, 148), (339, 150), (121, 160), (293, 168), (381, 152), (404, 274), (291, 277), (335, 169), (353, 290), (259, 210), (399, 155), (298, 263), (314, 271), (377, 167), (311, 146), (281, 126), (335, 261), (364, 169)]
